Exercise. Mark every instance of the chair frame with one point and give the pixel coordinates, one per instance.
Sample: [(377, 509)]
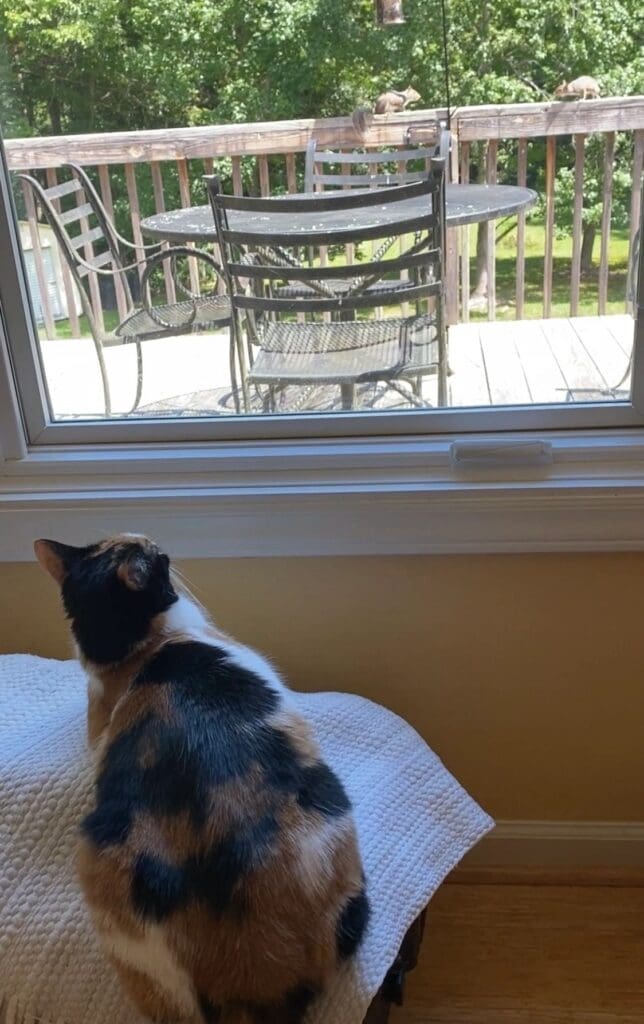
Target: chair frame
[(249, 257), (315, 181), (318, 181), (89, 204)]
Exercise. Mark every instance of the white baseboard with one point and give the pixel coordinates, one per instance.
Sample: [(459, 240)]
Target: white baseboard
[(566, 844)]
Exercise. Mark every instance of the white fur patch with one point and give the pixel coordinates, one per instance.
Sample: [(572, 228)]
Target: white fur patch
[(95, 686), (151, 957), (256, 663), (187, 617)]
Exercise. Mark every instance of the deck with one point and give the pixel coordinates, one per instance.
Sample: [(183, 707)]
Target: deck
[(499, 363)]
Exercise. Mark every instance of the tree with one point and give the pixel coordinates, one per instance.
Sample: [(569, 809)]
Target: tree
[(102, 65)]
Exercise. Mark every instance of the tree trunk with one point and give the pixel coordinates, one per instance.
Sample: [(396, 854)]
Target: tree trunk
[(55, 116), (587, 242)]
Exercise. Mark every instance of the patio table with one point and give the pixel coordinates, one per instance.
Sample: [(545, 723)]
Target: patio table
[(465, 204)]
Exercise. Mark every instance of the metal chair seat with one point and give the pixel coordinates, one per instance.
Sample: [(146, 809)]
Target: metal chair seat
[(341, 286), (187, 317), (339, 352)]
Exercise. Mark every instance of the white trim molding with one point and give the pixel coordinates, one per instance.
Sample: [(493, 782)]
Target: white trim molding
[(328, 497), (561, 844)]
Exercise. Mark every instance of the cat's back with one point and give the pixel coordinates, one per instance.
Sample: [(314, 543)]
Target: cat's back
[(218, 826)]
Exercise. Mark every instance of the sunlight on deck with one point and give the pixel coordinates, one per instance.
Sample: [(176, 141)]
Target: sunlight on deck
[(499, 363)]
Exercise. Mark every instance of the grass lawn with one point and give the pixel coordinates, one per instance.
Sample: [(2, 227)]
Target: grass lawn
[(534, 251), (506, 277)]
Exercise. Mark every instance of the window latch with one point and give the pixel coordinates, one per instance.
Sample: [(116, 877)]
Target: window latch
[(479, 454)]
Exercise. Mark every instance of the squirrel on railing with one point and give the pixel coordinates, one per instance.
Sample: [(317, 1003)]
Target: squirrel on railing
[(390, 102), (584, 86)]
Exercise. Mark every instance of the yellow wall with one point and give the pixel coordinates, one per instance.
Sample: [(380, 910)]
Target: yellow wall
[(525, 673)]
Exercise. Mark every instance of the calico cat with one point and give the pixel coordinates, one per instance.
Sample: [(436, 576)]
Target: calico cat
[(220, 860)]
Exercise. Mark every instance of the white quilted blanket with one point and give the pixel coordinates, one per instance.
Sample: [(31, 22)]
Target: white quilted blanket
[(415, 823)]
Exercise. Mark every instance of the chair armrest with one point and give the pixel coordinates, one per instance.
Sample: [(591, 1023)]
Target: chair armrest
[(172, 254)]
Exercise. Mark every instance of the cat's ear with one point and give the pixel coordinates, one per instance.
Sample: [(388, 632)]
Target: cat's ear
[(56, 558), (136, 570)]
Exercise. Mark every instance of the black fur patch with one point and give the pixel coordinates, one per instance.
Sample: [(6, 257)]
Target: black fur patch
[(109, 619), (352, 925), (220, 732), (118, 787), (290, 1011), (203, 678), (210, 1013), (158, 888), (322, 791), (214, 878), (109, 824)]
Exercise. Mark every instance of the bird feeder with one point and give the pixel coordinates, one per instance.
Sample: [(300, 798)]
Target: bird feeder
[(389, 12)]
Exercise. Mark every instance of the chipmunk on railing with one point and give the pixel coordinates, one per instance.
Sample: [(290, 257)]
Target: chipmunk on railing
[(583, 87), (390, 102)]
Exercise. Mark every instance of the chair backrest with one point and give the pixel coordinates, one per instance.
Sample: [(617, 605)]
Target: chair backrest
[(87, 239), (272, 256), (329, 169)]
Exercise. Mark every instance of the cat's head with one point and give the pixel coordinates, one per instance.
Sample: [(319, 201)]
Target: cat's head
[(111, 592)]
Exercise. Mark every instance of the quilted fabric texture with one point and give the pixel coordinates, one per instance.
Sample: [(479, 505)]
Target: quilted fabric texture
[(415, 823)]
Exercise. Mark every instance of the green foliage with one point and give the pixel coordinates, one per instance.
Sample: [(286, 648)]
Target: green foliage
[(70, 66)]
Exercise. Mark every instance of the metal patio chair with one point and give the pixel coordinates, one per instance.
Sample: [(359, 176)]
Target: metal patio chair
[(327, 169), (325, 334), (331, 170), (90, 244)]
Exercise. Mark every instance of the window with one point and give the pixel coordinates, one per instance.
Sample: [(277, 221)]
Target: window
[(539, 283)]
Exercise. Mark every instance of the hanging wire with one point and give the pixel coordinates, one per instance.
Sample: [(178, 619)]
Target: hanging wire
[(446, 62)]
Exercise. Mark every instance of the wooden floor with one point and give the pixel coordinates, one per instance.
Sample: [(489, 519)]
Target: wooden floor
[(500, 363), (508, 363), (521, 954)]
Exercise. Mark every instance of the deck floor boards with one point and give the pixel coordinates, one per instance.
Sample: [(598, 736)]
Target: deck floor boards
[(544, 361), (509, 362)]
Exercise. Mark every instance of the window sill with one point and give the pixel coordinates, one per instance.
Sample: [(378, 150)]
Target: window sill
[(375, 496)]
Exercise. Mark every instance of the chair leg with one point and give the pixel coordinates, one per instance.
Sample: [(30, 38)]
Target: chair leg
[(139, 376), (233, 370), (443, 368), (105, 379), (237, 342), (348, 394)]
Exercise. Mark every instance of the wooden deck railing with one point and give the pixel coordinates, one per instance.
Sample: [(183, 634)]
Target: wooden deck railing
[(268, 155)]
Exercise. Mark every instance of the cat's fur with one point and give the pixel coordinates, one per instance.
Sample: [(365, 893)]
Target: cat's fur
[(220, 860)]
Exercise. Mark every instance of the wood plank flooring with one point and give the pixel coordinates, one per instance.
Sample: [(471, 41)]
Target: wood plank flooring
[(502, 363), (527, 361), (527, 954)]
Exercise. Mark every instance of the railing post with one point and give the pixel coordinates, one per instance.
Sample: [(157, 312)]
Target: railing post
[(159, 205), (465, 238), (451, 256), (636, 196), (522, 177), (491, 177), (68, 284), (34, 233), (607, 206), (184, 193), (551, 158), (577, 224)]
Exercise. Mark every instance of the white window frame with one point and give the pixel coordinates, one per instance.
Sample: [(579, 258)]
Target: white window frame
[(346, 483)]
